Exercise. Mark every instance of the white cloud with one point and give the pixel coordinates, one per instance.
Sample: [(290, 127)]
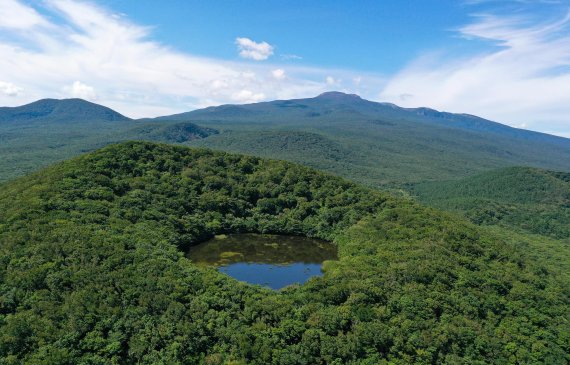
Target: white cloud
[(18, 16), (93, 53), (523, 78), (331, 81), (279, 74), (9, 89), (253, 50), (246, 96), (80, 90)]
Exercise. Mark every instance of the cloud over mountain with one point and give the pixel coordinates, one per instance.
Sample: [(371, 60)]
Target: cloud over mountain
[(522, 78), (63, 48)]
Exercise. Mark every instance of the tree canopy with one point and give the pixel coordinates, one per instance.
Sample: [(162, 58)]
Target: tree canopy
[(92, 271)]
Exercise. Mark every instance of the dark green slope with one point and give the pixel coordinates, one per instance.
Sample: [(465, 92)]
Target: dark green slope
[(49, 130), (534, 200), (166, 131), (314, 149), (389, 145), (91, 272)]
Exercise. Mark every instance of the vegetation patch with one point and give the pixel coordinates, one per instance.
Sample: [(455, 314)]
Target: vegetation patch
[(528, 199), (91, 270)]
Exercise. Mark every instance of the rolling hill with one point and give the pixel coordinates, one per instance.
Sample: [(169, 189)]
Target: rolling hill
[(37, 134), (533, 200), (388, 145), (92, 270), (377, 144), (54, 110)]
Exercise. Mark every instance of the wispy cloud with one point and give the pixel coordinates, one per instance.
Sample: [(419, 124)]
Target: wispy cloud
[(65, 48), (293, 57), (523, 77), (15, 15)]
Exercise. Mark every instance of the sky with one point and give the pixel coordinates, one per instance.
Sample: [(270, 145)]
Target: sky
[(505, 60)]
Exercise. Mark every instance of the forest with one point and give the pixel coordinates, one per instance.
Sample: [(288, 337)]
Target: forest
[(92, 270), (527, 199)]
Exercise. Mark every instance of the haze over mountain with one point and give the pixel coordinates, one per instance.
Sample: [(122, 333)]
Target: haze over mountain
[(335, 101)]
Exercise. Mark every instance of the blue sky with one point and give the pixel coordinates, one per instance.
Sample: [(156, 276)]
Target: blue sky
[(504, 60), (376, 36)]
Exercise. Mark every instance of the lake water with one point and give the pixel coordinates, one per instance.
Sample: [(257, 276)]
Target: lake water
[(270, 260)]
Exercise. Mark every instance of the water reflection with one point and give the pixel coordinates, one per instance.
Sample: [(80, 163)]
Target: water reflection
[(272, 260)]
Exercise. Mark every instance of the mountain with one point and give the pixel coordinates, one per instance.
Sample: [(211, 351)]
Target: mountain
[(384, 145), (37, 134), (65, 110), (377, 144), (530, 199), (92, 270), (410, 151), (335, 102), (166, 132)]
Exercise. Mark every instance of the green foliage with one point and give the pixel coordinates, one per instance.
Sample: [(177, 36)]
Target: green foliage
[(91, 270), (532, 200), (377, 144), (53, 110), (26, 145)]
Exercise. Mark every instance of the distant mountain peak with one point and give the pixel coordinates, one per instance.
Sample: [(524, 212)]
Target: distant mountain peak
[(337, 95), (64, 110)]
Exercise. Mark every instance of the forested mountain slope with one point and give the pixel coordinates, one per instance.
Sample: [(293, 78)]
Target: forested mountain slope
[(377, 144), (54, 110), (534, 200), (383, 144), (37, 134), (91, 270)]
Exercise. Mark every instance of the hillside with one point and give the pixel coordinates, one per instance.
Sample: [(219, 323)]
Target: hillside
[(35, 135), (534, 200), (377, 144), (388, 145), (54, 110), (91, 270)]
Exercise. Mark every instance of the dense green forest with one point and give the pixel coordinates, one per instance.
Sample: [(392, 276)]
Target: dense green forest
[(377, 144), (533, 200), (27, 145), (49, 130), (92, 270)]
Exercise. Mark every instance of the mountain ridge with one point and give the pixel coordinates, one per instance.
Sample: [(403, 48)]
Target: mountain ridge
[(427, 115), (529, 199), (377, 144), (389, 145), (49, 130), (59, 110)]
